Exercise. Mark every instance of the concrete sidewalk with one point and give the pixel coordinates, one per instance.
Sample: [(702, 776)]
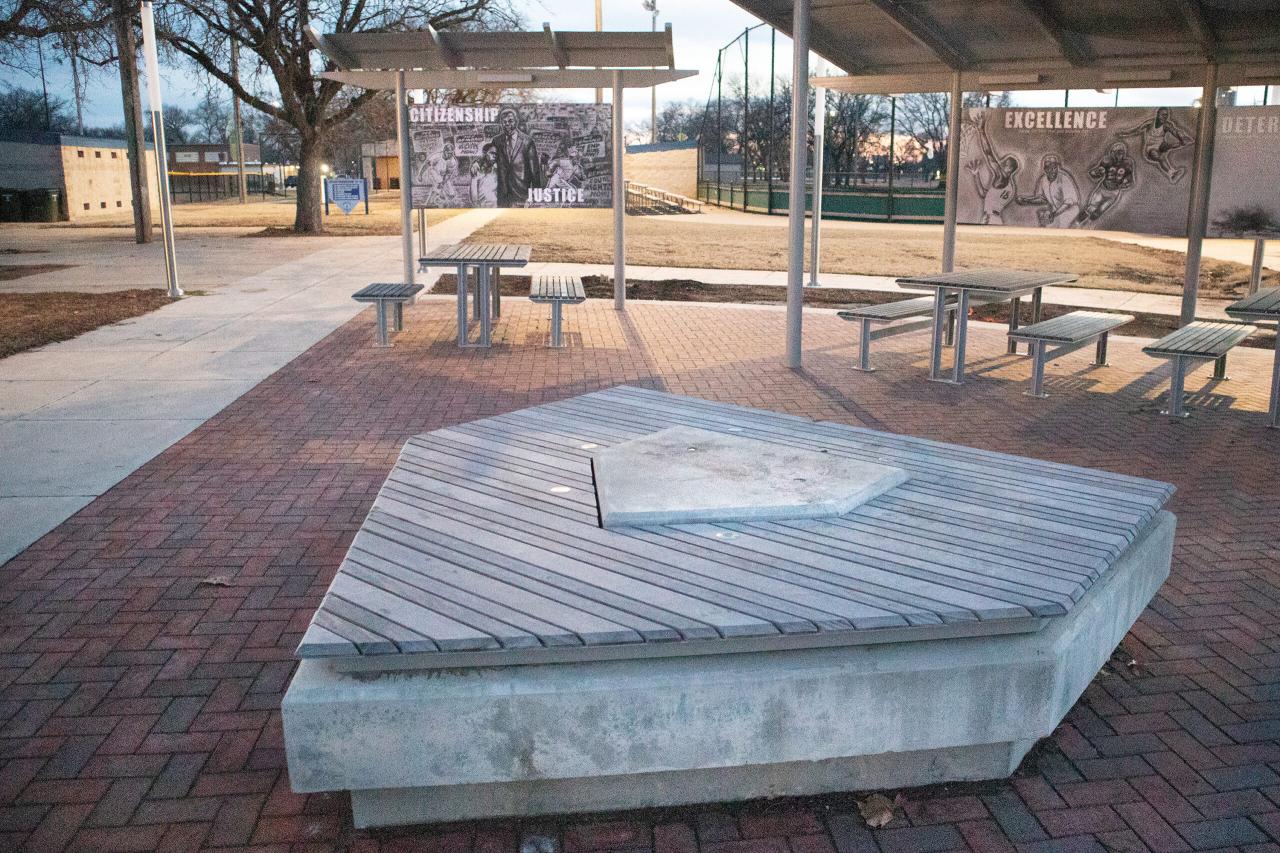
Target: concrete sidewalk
[(78, 416), (1073, 297)]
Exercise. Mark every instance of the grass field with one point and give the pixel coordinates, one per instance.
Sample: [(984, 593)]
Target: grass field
[(586, 236), (275, 217)]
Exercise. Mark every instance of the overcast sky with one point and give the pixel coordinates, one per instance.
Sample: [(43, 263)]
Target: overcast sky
[(699, 28)]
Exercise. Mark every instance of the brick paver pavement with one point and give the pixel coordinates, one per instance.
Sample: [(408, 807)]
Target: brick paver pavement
[(140, 700)]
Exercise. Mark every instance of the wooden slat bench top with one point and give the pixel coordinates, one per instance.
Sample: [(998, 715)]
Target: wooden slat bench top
[(389, 291), (557, 288), (1071, 328), (1263, 305), (1201, 339), (994, 280), (485, 539), (492, 254)]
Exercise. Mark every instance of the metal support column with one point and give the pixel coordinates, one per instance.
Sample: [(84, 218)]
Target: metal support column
[(796, 205), (819, 162), (422, 231), (893, 141), (150, 47), (769, 163), (953, 177), (406, 178), (619, 202), (1255, 276), (1198, 215)]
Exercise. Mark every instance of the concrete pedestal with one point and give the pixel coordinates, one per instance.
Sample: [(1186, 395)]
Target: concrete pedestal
[(451, 744)]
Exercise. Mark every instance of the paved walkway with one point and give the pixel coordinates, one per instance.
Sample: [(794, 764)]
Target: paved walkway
[(139, 702), (1074, 297), (78, 416)]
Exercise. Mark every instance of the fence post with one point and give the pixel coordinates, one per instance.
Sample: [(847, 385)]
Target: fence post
[(746, 109), (773, 53)]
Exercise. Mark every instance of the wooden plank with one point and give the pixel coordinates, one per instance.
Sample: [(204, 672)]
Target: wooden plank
[(411, 627), (320, 642), (365, 641)]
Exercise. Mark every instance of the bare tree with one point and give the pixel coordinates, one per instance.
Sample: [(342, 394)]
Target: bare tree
[(273, 31)]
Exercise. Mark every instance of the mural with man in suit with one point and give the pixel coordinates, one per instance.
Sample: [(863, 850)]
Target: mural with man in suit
[(511, 155)]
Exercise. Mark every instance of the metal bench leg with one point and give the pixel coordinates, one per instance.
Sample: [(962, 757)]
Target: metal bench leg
[(1176, 409), (1014, 305), (497, 292), (1101, 358), (1220, 367), (962, 337), (478, 311), (864, 347), (556, 316), (1274, 420), (1037, 369), (397, 316), (381, 315)]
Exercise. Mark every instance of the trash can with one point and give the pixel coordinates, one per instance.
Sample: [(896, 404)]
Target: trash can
[(10, 206), (41, 205)]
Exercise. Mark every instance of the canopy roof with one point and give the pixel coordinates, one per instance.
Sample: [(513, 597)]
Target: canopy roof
[(500, 60), (915, 45)]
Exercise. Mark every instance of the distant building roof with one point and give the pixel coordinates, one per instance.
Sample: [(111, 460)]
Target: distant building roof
[(66, 140)]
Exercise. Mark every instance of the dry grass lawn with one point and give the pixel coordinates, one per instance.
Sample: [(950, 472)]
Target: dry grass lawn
[(275, 217), (586, 236), (29, 320)]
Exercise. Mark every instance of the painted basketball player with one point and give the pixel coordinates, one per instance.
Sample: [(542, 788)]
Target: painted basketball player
[(993, 177), (1161, 136)]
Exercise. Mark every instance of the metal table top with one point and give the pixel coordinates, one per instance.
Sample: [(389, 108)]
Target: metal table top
[(989, 280), (1263, 305), (484, 546), (489, 254)]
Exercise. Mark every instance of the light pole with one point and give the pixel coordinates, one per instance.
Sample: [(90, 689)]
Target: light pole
[(162, 158), (599, 27), (651, 6)]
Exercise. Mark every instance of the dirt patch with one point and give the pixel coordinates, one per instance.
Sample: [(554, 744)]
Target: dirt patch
[(10, 272), (687, 290), (586, 236), (29, 320)]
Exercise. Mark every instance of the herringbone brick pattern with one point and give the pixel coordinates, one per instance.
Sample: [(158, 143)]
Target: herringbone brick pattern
[(148, 640)]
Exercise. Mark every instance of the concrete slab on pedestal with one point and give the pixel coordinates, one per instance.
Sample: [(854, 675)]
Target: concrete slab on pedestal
[(685, 475)]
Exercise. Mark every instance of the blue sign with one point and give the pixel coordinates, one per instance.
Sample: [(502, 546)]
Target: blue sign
[(347, 193)]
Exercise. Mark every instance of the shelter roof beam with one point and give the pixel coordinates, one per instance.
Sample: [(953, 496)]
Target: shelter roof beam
[(1071, 46), (924, 32)]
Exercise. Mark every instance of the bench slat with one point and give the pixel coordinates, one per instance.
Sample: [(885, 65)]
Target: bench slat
[(390, 291), (557, 288), (1201, 339), (1071, 328)]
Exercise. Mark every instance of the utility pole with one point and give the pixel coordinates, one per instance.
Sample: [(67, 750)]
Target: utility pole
[(134, 135), (157, 130)]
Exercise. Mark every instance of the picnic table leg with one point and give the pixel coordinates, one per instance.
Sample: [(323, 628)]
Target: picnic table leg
[(1220, 367), (949, 339), (462, 305), (482, 305), (864, 346), (939, 322), (1274, 420), (1014, 305), (397, 317), (480, 276), (1101, 358), (1036, 298), (497, 292), (962, 337), (380, 307), (1175, 389)]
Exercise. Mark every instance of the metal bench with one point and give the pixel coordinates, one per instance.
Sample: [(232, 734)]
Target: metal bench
[(1071, 332), (557, 291), (891, 312), (382, 294), (1193, 343)]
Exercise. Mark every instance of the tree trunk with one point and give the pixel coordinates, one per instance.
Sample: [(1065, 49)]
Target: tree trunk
[(127, 50), (309, 218)]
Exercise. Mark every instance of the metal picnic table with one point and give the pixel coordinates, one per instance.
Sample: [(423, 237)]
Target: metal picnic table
[(1264, 306), (1005, 284), (487, 259)]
